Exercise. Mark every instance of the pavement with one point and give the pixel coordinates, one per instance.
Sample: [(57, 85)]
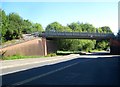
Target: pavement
[(8, 65)]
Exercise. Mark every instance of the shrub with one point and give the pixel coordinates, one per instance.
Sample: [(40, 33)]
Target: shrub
[(51, 54)]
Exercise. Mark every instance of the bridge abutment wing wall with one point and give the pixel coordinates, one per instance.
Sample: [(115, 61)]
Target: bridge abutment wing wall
[(28, 48)]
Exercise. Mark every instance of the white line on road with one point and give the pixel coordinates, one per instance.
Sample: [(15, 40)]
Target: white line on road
[(48, 73)]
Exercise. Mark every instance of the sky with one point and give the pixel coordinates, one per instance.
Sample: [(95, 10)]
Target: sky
[(97, 13)]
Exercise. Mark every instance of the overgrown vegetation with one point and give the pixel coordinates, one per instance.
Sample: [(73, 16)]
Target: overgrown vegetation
[(51, 55), (18, 56), (12, 26)]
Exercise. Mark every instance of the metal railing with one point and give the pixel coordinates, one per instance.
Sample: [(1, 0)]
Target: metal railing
[(77, 34)]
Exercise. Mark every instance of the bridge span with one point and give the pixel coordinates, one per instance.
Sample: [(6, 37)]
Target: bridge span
[(76, 35)]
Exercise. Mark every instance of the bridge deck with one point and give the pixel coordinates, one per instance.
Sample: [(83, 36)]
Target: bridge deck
[(77, 35)]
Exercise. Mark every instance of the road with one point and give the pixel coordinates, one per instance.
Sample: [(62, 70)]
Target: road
[(100, 70)]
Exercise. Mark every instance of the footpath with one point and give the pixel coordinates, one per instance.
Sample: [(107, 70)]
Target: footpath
[(20, 64)]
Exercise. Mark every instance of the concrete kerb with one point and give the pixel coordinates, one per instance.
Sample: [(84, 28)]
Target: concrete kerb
[(22, 62)]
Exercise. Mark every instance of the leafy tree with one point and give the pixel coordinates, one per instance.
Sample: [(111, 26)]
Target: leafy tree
[(9, 35), (88, 28), (75, 27), (67, 29), (106, 29), (15, 23), (55, 26), (37, 27), (27, 27), (3, 23), (99, 30), (102, 45), (12, 26)]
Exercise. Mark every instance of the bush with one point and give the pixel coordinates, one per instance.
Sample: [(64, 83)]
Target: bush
[(51, 55)]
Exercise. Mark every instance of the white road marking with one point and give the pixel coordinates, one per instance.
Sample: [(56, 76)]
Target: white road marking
[(48, 73)]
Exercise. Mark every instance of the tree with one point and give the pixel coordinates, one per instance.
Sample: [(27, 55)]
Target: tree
[(75, 27), (55, 26), (88, 28), (27, 27), (15, 24), (99, 30), (3, 24), (102, 45), (37, 27), (12, 26), (106, 29)]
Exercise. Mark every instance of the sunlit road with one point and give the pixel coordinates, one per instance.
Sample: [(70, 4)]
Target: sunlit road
[(80, 71)]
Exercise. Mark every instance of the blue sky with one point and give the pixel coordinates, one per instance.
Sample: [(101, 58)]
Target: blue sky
[(96, 13)]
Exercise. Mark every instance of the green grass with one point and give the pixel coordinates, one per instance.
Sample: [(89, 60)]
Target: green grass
[(51, 55), (67, 52), (20, 57), (17, 56), (96, 50)]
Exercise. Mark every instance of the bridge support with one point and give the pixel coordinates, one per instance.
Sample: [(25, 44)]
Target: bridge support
[(44, 43), (49, 46), (114, 47)]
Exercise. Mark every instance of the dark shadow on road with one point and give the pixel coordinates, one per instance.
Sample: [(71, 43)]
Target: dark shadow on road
[(95, 71)]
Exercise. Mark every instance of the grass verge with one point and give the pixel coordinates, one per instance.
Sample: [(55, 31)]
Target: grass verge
[(24, 57)]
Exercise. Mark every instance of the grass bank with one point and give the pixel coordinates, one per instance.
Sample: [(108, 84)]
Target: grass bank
[(13, 57), (68, 52)]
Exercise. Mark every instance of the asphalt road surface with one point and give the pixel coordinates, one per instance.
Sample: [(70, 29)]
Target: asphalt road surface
[(100, 71)]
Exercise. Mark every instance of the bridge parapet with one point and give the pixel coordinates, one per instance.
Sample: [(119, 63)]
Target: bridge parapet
[(77, 35)]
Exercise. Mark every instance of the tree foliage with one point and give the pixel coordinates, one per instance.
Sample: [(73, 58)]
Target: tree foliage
[(79, 44), (55, 26), (13, 26)]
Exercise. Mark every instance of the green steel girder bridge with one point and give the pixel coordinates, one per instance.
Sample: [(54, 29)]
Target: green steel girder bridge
[(76, 35)]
